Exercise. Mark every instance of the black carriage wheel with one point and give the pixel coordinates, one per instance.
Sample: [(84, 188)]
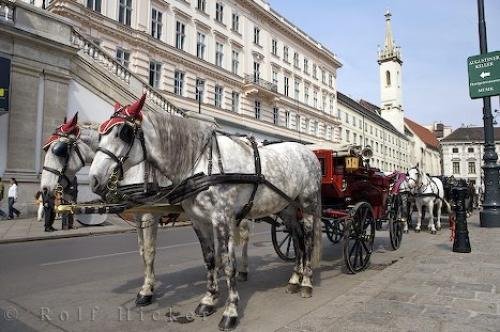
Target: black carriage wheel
[(395, 224), (360, 235), (282, 241), (334, 229)]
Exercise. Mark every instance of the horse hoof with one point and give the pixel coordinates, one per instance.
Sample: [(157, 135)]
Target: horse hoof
[(204, 310), (228, 323), (306, 292), (242, 276), (143, 300), (292, 288), (438, 228), (405, 231), (433, 232), (417, 231)]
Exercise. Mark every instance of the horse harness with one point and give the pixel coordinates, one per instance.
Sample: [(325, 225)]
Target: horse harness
[(200, 182)]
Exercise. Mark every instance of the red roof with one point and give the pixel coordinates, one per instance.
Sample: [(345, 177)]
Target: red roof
[(424, 134)]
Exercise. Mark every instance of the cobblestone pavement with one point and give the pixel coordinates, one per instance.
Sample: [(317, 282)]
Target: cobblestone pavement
[(432, 289)]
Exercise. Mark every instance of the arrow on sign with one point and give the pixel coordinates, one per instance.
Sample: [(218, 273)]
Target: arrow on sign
[(483, 74)]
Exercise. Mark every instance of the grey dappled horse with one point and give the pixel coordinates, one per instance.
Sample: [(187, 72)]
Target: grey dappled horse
[(177, 148), (62, 157), (427, 191)]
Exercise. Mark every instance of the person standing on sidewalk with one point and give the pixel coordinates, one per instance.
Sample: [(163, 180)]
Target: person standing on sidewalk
[(3, 215), (12, 199), (48, 209)]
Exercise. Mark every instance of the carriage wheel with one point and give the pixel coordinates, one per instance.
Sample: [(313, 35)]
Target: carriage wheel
[(360, 235), (282, 241), (395, 224), (334, 229)]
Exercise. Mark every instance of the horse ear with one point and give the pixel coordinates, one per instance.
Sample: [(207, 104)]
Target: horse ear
[(136, 107)]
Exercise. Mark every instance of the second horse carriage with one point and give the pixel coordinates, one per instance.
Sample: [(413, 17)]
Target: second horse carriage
[(356, 200)]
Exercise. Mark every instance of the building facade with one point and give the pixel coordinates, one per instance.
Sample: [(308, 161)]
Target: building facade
[(239, 60), (463, 153)]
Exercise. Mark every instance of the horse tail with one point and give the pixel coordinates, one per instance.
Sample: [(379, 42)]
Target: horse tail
[(317, 234)]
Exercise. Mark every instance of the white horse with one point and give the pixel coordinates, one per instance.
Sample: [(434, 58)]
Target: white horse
[(182, 148), (66, 153), (427, 191)]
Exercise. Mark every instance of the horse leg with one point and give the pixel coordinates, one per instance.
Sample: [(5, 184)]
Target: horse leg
[(289, 218), (418, 204), (147, 230), (244, 238), (430, 207), (205, 234), (306, 284), (439, 205), (229, 319)]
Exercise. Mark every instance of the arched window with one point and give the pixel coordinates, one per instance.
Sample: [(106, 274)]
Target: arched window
[(388, 78)]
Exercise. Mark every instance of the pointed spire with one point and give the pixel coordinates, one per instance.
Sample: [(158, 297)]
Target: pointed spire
[(389, 40), (389, 52)]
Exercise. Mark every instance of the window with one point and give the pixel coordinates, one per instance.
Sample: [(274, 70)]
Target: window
[(315, 99), (354, 137), (388, 78), (235, 102), (454, 150), (235, 25), (285, 53), (323, 101), (287, 119), (154, 73), (178, 82), (256, 72), (296, 59), (219, 54), (347, 136), (92, 4), (306, 93), (257, 109), (275, 77), (180, 35), (276, 115), (297, 122), (331, 106), (200, 45), (274, 47), (218, 96), (472, 167), (470, 150), (125, 12), (306, 66), (285, 86), (323, 76), (219, 12), (330, 80), (200, 87), (315, 71), (235, 62), (256, 35), (156, 23), (297, 89), (456, 167), (201, 5), (346, 117), (123, 57)]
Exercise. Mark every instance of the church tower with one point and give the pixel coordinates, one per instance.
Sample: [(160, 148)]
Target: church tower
[(390, 64)]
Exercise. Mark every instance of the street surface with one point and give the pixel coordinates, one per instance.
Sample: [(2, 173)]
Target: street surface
[(90, 284)]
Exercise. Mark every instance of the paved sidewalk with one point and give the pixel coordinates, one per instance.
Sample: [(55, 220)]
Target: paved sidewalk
[(432, 289)]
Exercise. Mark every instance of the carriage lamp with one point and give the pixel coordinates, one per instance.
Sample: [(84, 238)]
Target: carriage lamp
[(344, 184)]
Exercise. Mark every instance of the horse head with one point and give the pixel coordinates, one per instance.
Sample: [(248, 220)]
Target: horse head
[(414, 177), (121, 146), (65, 155)]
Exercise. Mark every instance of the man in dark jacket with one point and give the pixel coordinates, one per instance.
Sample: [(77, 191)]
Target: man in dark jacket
[(48, 209)]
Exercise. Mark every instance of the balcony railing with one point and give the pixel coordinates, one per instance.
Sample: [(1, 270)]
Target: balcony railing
[(253, 79), (6, 11), (118, 70)]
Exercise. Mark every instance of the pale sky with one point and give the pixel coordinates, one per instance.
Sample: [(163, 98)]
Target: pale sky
[(436, 37)]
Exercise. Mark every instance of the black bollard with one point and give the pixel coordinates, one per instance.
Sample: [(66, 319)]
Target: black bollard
[(461, 242)]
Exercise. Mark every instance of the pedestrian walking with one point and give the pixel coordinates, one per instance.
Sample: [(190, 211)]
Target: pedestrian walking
[(12, 199), (3, 215), (48, 209), (39, 204)]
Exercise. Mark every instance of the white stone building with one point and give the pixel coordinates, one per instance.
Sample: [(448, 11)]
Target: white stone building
[(253, 70), (463, 153)]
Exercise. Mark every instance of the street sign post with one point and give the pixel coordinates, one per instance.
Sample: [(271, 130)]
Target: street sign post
[(484, 75)]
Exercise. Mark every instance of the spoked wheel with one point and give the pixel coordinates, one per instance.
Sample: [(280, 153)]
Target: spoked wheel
[(395, 224), (282, 241), (334, 229), (358, 243)]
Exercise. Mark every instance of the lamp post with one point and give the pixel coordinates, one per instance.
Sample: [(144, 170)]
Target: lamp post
[(199, 90), (490, 215)]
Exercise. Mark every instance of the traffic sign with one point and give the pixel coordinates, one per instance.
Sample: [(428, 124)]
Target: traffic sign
[(484, 75)]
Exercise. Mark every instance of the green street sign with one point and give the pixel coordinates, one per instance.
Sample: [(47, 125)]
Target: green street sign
[(484, 75)]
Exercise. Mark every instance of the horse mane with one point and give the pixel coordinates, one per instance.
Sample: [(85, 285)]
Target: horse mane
[(177, 141)]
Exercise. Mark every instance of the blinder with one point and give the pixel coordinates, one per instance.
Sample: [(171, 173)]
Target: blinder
[(61, 149), (127, 134)]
